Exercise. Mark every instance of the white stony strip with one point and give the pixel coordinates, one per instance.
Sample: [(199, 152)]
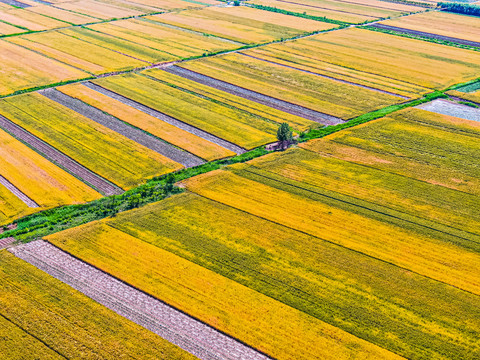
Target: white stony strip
[(188, 333), (445, 107), (18, 193)]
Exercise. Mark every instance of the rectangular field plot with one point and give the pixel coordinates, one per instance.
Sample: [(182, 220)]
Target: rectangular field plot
[(103, 151), (37, 178), (97, 9), (23, 69), (63, 15), (470, 96), (234, 125), (242, 24), (412, 316), (30, 20), (6, 29), (74, 51), (440, 23), (347, 11), (178, 137), (211, 293), (396, 64), (173, 43), (42, 318), (309, 90)]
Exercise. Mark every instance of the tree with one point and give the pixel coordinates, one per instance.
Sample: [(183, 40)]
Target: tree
[(284, 136)]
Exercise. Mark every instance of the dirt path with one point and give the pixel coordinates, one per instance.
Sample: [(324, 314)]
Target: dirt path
[(426, 34), (329, 77), (168, 119), (18, 193), (182, 330), (59, 158), (255, 96), (130, 132), (445, 107)]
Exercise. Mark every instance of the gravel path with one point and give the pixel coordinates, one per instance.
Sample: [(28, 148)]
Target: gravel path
[(328, 77), (15, 3), (6, 242), (445, 107), (168, 119), (426, 34), (255, 96), (171, 324), (18, 193), (130, 132), (59, 158)]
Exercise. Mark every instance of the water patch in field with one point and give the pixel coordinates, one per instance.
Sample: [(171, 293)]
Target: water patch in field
[(445, 107)]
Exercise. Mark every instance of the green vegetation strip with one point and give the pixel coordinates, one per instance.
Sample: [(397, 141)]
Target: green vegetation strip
[(466, 9), (54, 220)]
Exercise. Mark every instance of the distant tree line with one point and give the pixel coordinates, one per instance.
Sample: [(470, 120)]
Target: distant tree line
[(460, 8)]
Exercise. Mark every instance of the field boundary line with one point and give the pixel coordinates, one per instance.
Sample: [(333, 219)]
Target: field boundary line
[(59, 158), (282, 105), (167, 118), (18, 193), (131, 132), (181, 329), (336, 244), (328, 77)]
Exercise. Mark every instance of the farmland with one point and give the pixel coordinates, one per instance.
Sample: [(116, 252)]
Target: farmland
[(347, 11), (42, 317), (244, 25), (101, 150), (154, 204)]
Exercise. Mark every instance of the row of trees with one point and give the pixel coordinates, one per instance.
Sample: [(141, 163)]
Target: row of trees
[(460, 8)]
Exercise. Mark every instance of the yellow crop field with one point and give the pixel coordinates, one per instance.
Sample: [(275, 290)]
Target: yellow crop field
[(271, 114), (43, 318), (86, 56), (424, 255), (23, 69), (389, 56), (103, 151), (40, 180), (30, 20), (472, 96), (413, 316), (233, 125), (258, 320), (398, 144), (173, 42), (185, 140), (242, 24), (11, 207), (440, 23), (6, 29), (62, 15), (98, 9), (314, 92)]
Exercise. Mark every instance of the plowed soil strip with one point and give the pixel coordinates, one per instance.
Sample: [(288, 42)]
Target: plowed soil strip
[(59, 158), (445, 107), (180, 329), (18, 193), (426, 34), (130, 132), (6, 242), (255, 96), (328, 77), (15, 3), (168, 119)]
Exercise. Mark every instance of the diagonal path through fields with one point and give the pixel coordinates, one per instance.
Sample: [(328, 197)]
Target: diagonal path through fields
[(182, 330), (59, 158), (272, 102), (168, 119), (130, 132), (18, 193)]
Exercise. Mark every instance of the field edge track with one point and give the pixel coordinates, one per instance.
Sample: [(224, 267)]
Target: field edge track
[(179, 328), (18, 193)]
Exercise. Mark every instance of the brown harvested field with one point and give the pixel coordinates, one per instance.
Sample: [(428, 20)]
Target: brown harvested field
[(441, 23), (6, 29), (30, 20), (97, 9), (61, 14)]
